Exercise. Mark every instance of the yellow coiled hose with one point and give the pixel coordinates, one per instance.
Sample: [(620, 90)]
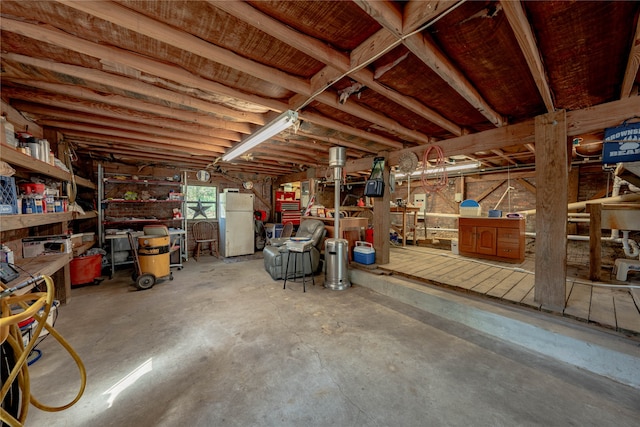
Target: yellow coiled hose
[(32, 303)]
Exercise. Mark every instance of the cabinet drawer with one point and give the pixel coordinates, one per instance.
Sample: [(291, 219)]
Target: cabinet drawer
[(508, 250), (508, 235)]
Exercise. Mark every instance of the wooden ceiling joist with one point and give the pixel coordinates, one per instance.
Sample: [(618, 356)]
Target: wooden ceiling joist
[(522, 30), (140, 140), (386, 14), (126, 84), (633, 64), (337, 60), (54, 111), (89, 101), (112, 54)]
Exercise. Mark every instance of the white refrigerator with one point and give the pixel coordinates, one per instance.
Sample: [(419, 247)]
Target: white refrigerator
[(236, 222)]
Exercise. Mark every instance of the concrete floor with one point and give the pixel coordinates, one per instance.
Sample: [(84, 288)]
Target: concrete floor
[(224, 345)]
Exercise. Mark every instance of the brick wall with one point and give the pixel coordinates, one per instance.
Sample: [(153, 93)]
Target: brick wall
[(592, 184)]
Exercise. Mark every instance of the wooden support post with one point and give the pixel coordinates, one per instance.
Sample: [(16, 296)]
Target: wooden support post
[(551, 210), (382, 218), (595, 240)]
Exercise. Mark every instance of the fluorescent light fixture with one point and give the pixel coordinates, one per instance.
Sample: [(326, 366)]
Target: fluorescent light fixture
[(282, 122), (448, 168)]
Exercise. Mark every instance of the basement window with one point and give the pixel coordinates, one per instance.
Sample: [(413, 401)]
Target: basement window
[(201, 201)]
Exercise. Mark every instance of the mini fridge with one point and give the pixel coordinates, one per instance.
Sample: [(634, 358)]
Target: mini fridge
[(236, 222)]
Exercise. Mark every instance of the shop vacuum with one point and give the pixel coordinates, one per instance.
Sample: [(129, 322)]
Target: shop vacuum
[(336, 249)]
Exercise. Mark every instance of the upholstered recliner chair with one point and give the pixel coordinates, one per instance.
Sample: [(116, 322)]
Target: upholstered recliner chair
[(275, 257)]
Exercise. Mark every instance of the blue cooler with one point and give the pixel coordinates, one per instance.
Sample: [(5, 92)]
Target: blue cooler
[(364, 253)]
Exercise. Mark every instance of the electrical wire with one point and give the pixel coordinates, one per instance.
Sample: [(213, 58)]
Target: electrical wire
[(32, 304), (440, 172)]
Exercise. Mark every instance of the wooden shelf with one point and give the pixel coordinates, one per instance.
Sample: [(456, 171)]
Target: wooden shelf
[(140, 201), (16, 158), (137, 221), (79, 250), (15, 222), (142, 181), (56, 266)]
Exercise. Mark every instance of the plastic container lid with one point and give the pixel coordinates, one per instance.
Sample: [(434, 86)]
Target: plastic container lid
[(469, 203)]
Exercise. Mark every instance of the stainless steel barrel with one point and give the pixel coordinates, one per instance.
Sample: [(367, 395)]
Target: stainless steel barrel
[(336, 274)]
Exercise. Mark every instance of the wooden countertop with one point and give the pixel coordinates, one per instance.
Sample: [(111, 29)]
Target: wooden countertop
[(44, 264)]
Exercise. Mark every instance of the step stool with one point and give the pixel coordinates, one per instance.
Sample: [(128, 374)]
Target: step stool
[(623, 266)]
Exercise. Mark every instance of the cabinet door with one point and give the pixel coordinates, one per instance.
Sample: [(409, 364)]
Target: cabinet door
[(486, 240), (466, 238), (508, 243)]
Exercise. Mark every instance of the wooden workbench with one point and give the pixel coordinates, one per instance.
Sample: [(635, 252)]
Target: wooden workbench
[(402, 230)]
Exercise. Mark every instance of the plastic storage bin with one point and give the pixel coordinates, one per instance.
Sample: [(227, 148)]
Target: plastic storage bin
[(85, 269), (470, 208), (363, 253), (8, 196)]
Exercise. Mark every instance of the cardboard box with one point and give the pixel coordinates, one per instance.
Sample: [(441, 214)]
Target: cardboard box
[(76, 240), (46, 245)]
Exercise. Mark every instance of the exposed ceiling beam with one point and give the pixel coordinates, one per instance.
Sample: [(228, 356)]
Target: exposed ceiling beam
[(418, 12), (126, 18), (134, 138), (333, 58), (138, 87), (54, 110), (428, 53), (632, 65), (85, 47), (159, 155), (81, 99), (134, 128), (292, 157), (321, 120), (113, 55), (503, 156), (387, 16), (579, 122), (335, 141), (524, 35), (137, 22), (82, 137)]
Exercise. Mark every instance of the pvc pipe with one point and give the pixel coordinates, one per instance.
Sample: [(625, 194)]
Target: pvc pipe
[(581, 205), (630, 246)]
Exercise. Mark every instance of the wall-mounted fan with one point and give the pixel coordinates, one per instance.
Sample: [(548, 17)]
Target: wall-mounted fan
[(407, 164)]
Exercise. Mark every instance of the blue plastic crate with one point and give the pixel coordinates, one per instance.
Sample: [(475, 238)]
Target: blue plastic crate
[(8, 196)]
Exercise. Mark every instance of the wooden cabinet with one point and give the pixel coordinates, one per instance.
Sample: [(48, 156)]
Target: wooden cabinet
[(15, 227), (492, 238)]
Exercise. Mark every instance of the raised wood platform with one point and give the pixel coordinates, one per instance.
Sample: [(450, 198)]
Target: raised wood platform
[(612, 308)]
